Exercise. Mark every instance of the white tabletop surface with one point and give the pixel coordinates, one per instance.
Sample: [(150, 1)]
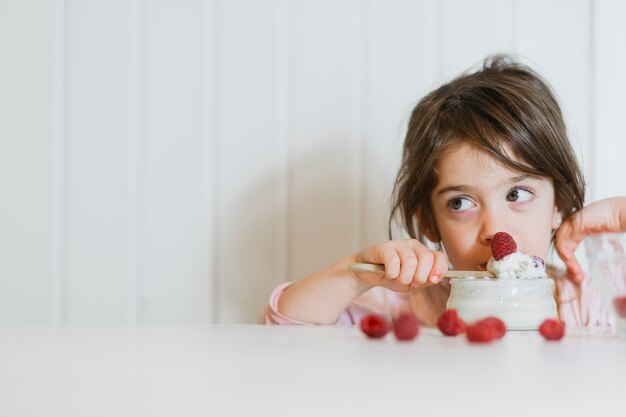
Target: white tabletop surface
[(248, 370)]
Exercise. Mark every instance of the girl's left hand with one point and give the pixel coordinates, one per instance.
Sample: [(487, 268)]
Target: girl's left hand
[(602, 216)]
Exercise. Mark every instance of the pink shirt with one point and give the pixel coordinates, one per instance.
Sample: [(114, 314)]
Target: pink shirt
[(580, 306)]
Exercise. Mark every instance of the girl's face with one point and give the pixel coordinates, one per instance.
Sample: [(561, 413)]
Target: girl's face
[(476, 197)]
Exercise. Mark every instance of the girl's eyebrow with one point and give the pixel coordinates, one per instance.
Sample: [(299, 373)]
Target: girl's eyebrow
[(454, 188), (463, 187)]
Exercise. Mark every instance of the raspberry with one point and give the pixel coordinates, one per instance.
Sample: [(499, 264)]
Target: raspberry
[(450, 323), (374, 326), (502, 244), (405, 327), (498, 326), (552, 329), (620, 305), (537, 260), (486, 330), (480, 332)]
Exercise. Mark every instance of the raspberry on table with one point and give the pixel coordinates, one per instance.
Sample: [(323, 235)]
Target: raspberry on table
[(502, 244), (450, 324), (374, 326), (552, 329), (486, 330), (620, 305), (480, 332), (405, 327), (498, 326)]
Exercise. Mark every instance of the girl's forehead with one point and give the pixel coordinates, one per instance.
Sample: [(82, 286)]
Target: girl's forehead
[(469, 157), (467, 164)]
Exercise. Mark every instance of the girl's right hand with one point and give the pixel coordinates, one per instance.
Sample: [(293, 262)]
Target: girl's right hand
[(408, 264)]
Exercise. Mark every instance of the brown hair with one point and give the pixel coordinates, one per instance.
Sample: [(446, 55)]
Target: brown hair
[(503, 106)]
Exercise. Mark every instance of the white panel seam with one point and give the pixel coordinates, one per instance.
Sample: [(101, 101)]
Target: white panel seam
[(514, 28), (362, 130), (591, 146), (59, 163), (133, 162), (282, 141), (439, 40), (215, 164)]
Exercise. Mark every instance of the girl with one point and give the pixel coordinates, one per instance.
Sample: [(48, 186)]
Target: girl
[(487, 152)]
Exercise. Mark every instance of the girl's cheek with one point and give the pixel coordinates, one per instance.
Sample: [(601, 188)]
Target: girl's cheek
[(455, 237), (461, 218), (459, 257)]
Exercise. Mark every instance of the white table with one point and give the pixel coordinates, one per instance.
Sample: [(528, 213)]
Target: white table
[(199, 370)]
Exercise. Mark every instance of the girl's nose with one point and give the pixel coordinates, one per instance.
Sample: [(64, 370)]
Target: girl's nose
[(490, 225)]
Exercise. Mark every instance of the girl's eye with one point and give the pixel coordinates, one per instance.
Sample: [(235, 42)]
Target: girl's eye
[(519, 195), (459, 204)]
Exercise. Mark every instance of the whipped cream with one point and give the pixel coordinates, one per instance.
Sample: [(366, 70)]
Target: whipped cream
[(517, 265)]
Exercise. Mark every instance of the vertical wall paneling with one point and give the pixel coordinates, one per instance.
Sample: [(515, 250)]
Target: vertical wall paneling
[(401, 66), (172, 286), (248, 170), (210, 197), (174, 161), (58, 190), (358, 69), (324, 191), (26, 160), (554, 37), (97, 161), (133, 179), (281, 240), (471, 30), (609, 128)]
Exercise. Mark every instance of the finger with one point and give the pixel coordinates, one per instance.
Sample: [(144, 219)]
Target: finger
[(566, 241), (425, 262), (382, 253), (568, 238), (440, 267), (408, 265), (392, 263), (574, 271)]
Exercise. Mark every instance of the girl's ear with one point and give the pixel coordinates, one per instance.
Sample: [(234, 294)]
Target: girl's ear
[(426, 225)]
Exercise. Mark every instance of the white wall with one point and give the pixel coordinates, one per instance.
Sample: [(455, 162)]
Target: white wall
[(174, 160)]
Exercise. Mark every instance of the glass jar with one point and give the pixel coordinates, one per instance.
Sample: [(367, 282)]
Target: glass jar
[(606, 253), (523, 304)]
